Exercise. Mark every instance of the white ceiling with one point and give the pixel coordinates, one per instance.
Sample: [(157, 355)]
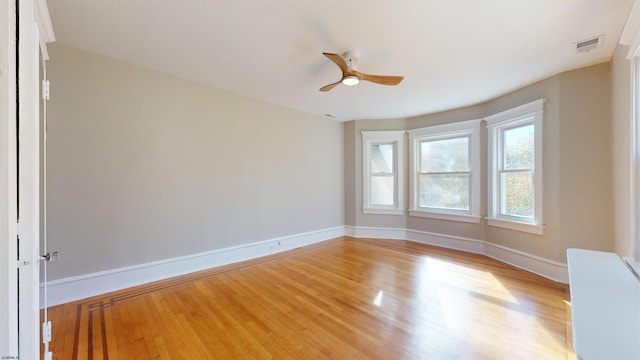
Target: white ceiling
[(452, 53)]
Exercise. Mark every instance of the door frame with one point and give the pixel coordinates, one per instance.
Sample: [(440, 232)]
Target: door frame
[(8, 183)]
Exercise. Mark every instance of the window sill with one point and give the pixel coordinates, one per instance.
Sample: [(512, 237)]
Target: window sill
[(515, 225), (445, 216), (383, 211)]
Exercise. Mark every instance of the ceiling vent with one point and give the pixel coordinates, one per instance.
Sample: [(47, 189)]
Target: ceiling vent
[(589, 44)]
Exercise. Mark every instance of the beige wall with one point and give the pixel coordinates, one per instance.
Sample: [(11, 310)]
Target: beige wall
[(350, 187), (621, 109), (586, 171), (143, 166), (577, 166)]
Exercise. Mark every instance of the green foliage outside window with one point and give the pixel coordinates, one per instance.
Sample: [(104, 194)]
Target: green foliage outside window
[(517, 174)]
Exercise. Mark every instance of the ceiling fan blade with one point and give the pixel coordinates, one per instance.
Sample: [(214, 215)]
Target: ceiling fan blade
[(339, 60), (379, 79), (330, 86)]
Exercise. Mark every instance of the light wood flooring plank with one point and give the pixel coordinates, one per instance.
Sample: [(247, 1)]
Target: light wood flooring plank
[(341, 299)]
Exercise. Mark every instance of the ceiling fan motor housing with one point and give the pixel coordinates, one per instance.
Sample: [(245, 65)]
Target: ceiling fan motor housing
[(351, 58)]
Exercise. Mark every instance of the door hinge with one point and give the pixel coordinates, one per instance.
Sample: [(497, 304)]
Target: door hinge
[(46, 339), (45, 89), (21, 262), (46, 332)]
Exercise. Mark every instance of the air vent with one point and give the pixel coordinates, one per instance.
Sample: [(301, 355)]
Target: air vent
[(589, 44)]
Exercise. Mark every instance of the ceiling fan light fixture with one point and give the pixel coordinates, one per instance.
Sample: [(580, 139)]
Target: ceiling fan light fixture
[(351, 80), (352, 77)]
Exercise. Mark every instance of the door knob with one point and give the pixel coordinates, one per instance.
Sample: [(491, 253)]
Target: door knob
[(50, 257)]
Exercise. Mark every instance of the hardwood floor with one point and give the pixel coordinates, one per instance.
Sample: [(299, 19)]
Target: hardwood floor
[(341, 299)]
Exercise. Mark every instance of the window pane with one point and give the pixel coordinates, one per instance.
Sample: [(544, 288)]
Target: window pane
[(445, 155), (517, 194), (382, 190), (519, 147), (444, 191), (382, 158)]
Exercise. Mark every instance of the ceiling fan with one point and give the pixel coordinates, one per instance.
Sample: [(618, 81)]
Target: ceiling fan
[(350, 76)]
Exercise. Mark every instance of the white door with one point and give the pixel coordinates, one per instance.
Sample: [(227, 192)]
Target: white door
[(20, 175), (28, 181)]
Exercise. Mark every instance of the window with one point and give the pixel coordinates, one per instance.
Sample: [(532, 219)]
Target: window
[(515, 168), (382, 172), (445, 176)]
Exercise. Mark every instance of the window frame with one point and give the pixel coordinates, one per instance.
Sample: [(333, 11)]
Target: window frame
[(396, 138), (468, 128), (631, 37), (530, 113)]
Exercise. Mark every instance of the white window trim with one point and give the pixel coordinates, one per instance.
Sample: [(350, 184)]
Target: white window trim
[(516, 225), (527, 113), (631, 37), (383, 137), (469, 128), (634, 261)]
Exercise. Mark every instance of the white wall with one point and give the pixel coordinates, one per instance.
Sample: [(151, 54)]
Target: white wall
[(143, 166)]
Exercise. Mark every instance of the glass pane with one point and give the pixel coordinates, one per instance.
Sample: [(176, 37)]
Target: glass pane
[(382, 190), (519, 148), (444, 191), (445, 155), (382, 158), (517, 194)]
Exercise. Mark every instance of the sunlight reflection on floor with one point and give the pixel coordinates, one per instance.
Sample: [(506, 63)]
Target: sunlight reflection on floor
[(378, 299), (481, 282), (483, 302)]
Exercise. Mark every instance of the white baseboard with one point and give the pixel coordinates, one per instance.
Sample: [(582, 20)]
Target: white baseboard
[(550, 269), (79, 287), (447, 241), (538, 265), (375, 233)]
